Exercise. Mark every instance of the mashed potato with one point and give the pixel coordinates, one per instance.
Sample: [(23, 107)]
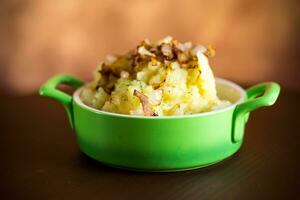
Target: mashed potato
[(162, 79)]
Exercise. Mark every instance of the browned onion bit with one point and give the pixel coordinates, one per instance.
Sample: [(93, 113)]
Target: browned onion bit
[(182, 57), (145, 103), (167, 51), (210, 52)]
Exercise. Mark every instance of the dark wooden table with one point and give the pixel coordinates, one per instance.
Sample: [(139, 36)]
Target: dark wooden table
[(41, 160)]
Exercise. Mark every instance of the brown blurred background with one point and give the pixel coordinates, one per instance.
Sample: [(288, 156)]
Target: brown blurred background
[(255, 40)]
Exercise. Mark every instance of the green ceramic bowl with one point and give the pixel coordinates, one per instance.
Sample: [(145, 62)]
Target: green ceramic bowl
[(162, 143)]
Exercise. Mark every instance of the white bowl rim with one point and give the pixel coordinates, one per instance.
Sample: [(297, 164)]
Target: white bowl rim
[(242, 92)]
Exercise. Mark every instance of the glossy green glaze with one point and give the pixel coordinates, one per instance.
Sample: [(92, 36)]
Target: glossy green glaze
[(160, 143), (264, 94), (49, 89)]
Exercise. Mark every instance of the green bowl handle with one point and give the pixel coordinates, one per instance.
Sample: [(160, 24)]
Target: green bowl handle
[(49, 89), (264, 94)]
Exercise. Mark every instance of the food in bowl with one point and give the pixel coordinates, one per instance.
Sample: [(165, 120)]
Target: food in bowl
[(164, 143), (155, 79)]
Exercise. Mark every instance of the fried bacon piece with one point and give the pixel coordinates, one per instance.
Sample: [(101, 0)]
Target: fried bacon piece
[(145, 103)]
